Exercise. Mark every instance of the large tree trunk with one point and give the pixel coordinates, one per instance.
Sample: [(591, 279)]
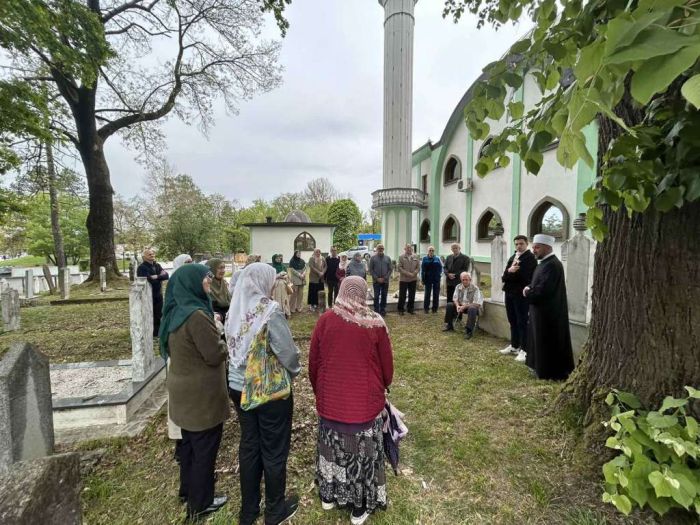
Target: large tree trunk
[(53, 200), (645, 322)]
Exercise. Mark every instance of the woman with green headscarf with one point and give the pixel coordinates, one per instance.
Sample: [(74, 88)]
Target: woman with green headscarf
[(196, 381), (220, 296), (283, 287)]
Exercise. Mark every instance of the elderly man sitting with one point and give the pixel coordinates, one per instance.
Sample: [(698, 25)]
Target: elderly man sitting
[(467, 299)]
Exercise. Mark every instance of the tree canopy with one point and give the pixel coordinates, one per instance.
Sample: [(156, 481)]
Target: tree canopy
[(348, 219)]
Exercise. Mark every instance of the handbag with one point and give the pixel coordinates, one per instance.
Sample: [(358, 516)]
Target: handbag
[(265, 378)]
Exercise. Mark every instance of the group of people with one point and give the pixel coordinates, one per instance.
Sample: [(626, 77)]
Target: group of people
[(231, 343)]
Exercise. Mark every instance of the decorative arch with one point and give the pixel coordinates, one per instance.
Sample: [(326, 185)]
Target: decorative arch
[(487, 225), (551, 217), (305, 242), (453, 170), (425, 231), (450, 229)]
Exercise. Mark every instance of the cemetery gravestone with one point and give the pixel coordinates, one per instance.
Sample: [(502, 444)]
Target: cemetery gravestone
[(4, 285), (26, 412), (29, 284), (103, 279), (10, 309), (499, 259), (141, 321), (579, 250), (64, 282)]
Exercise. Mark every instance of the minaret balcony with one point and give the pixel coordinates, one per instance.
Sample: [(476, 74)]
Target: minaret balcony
[(406, 197)]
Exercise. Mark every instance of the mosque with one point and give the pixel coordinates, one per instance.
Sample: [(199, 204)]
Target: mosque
[(434, 196)]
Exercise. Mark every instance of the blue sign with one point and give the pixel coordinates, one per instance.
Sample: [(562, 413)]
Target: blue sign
[(369, 236)]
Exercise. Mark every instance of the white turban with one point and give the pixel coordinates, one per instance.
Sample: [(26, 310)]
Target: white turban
[(541, 238)]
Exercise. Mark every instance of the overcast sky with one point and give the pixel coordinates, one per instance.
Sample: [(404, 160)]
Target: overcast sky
[(326, 118)]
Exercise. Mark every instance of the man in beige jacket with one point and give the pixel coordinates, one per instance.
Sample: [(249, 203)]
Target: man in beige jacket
[(408, 267)]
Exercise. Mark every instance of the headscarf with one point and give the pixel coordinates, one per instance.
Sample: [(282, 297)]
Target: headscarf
[(351, 306), (234, 279), (343, 263), (251, 308), (297, 262), (356, 266), (277, 263), (183, 297), (179, 261), (251, 259), (219, 290)]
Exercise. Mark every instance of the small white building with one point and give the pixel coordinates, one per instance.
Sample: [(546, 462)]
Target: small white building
[(297, 232)]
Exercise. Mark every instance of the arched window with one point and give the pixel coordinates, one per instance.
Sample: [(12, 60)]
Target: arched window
[(487, 225), (425, 231), (484, 145), (304, 242), (453, 170), (450, 230), (549, 216)]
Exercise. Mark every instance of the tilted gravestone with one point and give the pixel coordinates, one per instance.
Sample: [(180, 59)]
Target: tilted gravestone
[(64, 282), (26, 411), (141, 321), (10, 309), (499, 259), (29, 284), (103, 279)]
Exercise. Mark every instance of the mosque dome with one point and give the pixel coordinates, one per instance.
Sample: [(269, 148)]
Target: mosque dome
[(297, 216)]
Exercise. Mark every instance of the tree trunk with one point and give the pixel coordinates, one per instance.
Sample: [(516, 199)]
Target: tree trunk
[(53, 200), (645, 320)]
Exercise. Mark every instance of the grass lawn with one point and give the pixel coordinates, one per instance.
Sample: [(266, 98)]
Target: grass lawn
[(28, 260), (482, 449)]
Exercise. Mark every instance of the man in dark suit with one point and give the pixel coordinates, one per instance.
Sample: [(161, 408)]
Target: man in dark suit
[(455, 264)]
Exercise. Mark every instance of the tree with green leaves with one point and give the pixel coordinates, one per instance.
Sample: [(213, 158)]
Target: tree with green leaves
[(93, 59), (347, 217), (631, 70)]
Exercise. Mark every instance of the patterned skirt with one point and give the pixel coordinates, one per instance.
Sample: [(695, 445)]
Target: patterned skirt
[(350, 467)]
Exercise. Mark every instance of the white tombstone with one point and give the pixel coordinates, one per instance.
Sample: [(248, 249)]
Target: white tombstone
[(10, 309), (103, 279), (4, 285), (64, 282), (499, 259), (141, 321), (577, 255), (29, 284)]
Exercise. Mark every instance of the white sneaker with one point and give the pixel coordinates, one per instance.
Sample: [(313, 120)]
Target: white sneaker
[(521, 357), (359, 520), (327, 506), (508, 350)]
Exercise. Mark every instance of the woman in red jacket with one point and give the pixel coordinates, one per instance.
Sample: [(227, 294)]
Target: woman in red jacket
[(350, 367)]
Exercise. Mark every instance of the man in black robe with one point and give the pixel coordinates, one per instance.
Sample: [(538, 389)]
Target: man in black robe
[(549, 351)]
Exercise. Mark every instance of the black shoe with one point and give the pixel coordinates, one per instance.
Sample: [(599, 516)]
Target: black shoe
[(411, 312), (401, 312), (425, 311), (219, 501), (468, 334), (448, 328), (434, 311), (292, 506)]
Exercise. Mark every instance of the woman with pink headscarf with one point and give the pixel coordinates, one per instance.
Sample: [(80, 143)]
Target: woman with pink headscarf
[(350, 368)]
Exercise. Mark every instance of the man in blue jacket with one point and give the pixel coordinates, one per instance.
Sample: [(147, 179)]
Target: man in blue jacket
[(431, 272)]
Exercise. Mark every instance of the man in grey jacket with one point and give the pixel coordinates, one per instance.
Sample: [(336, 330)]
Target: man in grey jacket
[(380, 269)]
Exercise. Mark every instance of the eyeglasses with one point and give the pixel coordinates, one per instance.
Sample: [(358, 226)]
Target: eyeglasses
[(210, 275)]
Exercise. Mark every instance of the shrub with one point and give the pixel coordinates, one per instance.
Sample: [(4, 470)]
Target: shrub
[(658, 464)]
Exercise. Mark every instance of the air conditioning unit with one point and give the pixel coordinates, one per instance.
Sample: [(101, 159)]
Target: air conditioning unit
[(465, 185)]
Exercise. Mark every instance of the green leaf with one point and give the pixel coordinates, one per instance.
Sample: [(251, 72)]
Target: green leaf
[(629, 399), (559, 119), (520, 46), (656, 420), (589, 200), (513, 80), (659, 505), (669, 198), (623, 29), (655, 75), (693, 392), (590, 60), (652, 42), (663, 485), (516, 109), (622, 503), (691, 90), (533, 161), (672, 402)]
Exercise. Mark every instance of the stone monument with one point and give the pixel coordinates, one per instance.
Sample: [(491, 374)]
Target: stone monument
[(10, 309), (577, 255), (29, 284), (141, 320), (26, 412), (64, 282), (499, 259), (103, 279)]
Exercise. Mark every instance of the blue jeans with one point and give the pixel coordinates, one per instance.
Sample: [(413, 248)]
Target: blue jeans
[(434, 290), (380, 291)]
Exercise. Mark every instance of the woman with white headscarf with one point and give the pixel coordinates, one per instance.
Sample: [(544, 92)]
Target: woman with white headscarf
[(254, 318), (183, 258)]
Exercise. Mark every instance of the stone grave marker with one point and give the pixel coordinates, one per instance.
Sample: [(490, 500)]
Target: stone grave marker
[(29, 284), (577, 255), (499, 259), (26, 412), (4, 285), (64, 282), (103, 279), (10, 309), (141, 322)]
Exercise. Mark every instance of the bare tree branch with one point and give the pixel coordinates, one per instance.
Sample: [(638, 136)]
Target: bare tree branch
[(134, 4)]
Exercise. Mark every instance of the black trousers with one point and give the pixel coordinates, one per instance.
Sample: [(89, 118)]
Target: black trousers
[(198, 452), (157, 314), (451, 314), (333, 287), (314, 288), (404, 288), (266, 434), (434, 290), (450, 290), (517, 309)]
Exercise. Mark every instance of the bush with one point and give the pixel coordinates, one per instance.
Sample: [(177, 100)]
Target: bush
[(659, 464), (83, 265)]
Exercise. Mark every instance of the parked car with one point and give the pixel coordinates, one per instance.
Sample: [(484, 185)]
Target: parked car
[(363, 250)]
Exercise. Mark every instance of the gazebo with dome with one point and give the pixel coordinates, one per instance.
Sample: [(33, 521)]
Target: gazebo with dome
[(296, 232)]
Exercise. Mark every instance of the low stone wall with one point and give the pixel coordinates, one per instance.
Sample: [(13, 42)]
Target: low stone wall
[(495, 321), (42, 491)]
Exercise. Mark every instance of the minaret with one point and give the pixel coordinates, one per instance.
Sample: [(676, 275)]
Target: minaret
[(397, 199)]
